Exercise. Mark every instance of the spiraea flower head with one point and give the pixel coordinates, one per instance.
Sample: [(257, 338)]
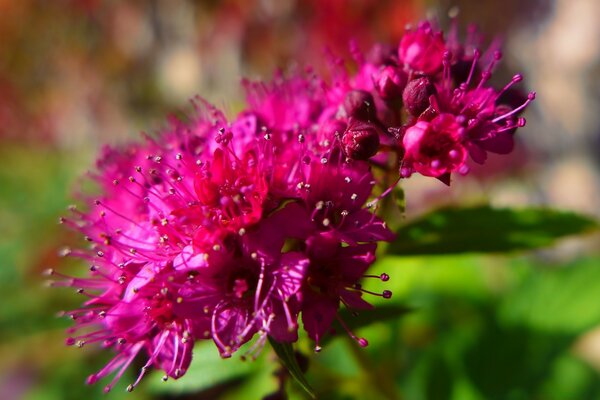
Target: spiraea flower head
[(234, 229)]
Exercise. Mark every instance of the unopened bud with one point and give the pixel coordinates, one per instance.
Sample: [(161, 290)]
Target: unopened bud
[(390, 82), (416, 95), (359, 105), (361, 140)]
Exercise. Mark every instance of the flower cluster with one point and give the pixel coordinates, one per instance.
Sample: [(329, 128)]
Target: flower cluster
[(227, 230)]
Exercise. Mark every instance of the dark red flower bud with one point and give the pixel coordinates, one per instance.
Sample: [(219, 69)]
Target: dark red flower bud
[(361, 140), (416, 95), (359, 104), (390, 82)]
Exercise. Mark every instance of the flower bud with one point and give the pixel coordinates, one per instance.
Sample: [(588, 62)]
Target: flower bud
[(360, 105), (361, 140), (416, 95), (390, 82)]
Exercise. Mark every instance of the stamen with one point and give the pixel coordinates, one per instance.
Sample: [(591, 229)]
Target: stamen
[(530, 98), (476, 55), (362, 342)]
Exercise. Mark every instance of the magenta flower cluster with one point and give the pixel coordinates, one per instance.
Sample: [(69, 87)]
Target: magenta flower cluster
[(229, 230)]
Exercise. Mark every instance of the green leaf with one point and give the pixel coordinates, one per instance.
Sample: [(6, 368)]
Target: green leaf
[(207, 369), (561, 300), (483, 229), (285, 352), (381, 313)]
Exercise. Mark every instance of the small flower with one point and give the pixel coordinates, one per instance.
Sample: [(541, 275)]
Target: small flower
[(434, 148), (242, 294), (421, 50), (333, 279)]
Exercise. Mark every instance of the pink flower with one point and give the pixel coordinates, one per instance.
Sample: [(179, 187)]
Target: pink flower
[(434, 148), (421, 50), (334, 194), (333, 280), (242, 292)]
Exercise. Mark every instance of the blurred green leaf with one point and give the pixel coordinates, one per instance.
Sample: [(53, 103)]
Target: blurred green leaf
[(207, 370), (484, 229), (439, 379), (511, 361), (560, 300), (285, 352), (381, 313), (571, 379)]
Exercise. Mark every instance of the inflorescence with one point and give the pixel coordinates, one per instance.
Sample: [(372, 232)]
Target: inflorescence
[(229, 230)]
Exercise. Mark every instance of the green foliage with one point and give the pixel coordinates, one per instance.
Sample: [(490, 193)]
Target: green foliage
[(484, 229)]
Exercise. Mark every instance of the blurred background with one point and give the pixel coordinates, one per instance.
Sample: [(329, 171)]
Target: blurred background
[(76, 74)]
